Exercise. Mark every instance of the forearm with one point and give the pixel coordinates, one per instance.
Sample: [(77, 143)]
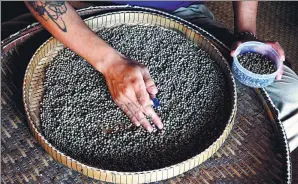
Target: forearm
[(245, 16), (63, 22)]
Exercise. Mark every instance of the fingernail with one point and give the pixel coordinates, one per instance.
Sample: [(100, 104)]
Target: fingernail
[(153, 90), (150, 129), (232, 53), (138, 124), (160, 126), (152, 96), (282, 58)]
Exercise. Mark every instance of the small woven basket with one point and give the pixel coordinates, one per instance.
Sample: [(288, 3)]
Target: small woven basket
[(33, 94)]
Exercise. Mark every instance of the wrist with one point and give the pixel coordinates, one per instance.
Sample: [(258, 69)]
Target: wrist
[(246, 36), (108, 59), (99, 53)]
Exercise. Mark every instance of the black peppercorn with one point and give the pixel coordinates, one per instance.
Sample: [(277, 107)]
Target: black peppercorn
[(80, 118)]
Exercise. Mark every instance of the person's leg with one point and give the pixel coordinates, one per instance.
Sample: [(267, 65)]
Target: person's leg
[(200, 15), (12, 26), (284, 93)]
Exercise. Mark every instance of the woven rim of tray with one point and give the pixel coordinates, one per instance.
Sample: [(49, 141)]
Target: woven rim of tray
[(34, 75)]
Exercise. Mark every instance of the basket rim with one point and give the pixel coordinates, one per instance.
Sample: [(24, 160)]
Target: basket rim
[(227, 128)]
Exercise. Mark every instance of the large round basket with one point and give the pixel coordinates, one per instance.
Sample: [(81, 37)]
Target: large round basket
[(33, 93)]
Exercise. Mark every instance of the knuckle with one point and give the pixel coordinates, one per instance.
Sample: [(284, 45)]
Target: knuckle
[(134, 81), (143, 101), (125, 109), (140, 115), (150, 82), (143, 98), (153, 115), (129, 105), (134, 120), (129, 114), (139, 95), (134, 70), (124, 92), (122, 106), (155, 118), (117, 99), (126, 78), (143, 67)]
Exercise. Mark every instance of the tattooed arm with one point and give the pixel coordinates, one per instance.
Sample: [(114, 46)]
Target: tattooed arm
[(128, 81), (63, 22)]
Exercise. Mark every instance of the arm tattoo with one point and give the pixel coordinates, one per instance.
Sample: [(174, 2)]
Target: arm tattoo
[(52, 10)]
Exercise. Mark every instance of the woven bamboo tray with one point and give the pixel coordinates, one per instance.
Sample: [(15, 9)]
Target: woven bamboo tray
[(33, 92)]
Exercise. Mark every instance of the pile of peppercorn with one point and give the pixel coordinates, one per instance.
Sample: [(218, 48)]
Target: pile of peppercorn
[(80, 118)]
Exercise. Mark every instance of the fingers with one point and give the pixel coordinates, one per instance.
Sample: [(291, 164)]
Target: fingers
[(136, 108), (278, 49), (276, 46), (149, 82), (146, 103), (140, 117), (279, 75), (129, 113), (131, 91), (234, 47), (142, 95), (151, 114), (131, 107)]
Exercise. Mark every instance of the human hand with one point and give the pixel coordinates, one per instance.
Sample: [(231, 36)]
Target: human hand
[(130, 84), (275, 45)]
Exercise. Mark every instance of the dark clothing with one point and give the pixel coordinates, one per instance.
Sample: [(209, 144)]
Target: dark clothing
[(167, 6)]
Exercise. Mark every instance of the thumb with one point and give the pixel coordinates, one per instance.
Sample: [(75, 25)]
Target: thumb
[(279, 75), (234, 47), (149, 83), (278, 48)]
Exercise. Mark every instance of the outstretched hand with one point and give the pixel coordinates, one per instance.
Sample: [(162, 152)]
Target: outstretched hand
[(131, 86), (128, 81), (275, 45)]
